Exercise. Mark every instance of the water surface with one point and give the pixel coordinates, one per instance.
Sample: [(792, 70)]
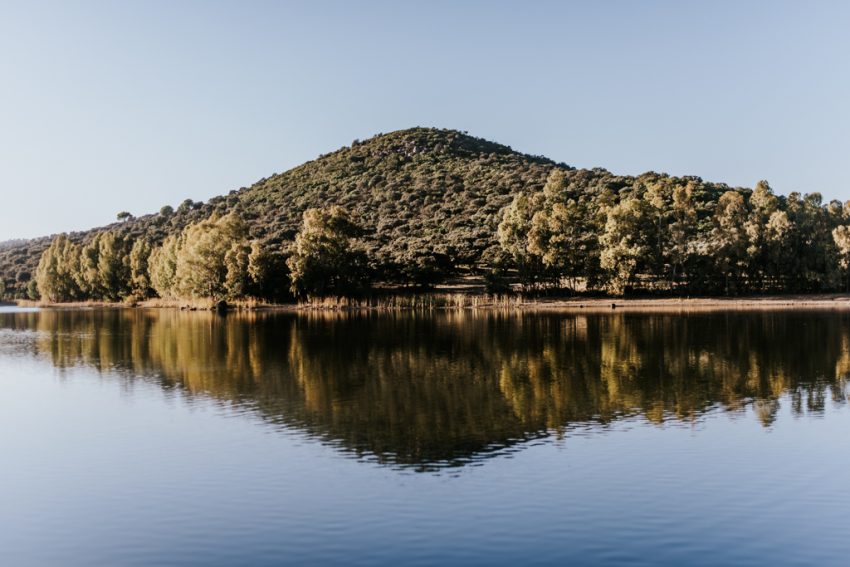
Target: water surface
[(171, 438)]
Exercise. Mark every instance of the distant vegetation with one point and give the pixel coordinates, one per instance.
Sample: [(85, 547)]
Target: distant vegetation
[(417, 207)]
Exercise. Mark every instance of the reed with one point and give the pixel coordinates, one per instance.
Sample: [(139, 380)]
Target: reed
[(421, 301), (203, 304)]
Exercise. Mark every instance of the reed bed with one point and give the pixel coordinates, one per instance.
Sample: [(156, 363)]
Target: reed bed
[(204, 304), (422, 301)]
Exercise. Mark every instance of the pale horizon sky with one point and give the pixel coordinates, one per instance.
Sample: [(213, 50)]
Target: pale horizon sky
[(111, 106)]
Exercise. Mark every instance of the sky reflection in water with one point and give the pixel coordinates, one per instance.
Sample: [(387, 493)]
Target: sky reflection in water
[(159, 436)]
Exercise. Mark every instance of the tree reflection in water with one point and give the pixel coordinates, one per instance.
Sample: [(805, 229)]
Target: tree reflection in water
[(435, 389)]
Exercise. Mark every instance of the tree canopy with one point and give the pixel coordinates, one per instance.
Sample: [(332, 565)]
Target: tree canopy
[(324, 261)]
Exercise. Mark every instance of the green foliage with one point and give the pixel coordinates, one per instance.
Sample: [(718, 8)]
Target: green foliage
[(513, 233), (162, 267), (108, 268), (423, 268), (186, 206), (415, 192), (434, 203), (140, 281), (728, 243), (681, 230), (103, 271), (209, 258), (32, 290), (563, 232), (113, 268), (97, 270), (324, 262), (57, 268), (626, 242), (215, 259), (237, 281), (268, 273), (496, 272), (666, 234), (841, 236)]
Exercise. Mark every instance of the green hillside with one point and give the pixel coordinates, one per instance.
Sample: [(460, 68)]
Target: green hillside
[(423, 204), (412, 190)]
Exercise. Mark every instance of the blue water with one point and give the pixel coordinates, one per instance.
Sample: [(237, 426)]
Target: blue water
[(117, 452)]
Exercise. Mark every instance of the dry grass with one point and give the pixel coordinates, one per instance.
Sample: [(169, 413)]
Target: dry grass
[(204, 304), (422, 301)]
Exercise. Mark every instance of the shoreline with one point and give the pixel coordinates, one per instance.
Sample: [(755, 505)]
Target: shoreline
[(459, 301)]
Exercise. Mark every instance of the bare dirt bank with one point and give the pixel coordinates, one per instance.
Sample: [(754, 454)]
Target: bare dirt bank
[(820, 301), (470, 301)]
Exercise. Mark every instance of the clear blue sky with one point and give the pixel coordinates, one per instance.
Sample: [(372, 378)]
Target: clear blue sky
[(110, 106)]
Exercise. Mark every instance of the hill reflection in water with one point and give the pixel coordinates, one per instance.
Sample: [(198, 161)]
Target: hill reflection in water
[(435, 389)]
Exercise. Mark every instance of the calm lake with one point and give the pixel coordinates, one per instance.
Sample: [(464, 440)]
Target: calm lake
[(143, 437)]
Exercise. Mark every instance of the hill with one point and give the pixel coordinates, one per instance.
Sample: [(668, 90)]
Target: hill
[(412, 190), (426, 203)]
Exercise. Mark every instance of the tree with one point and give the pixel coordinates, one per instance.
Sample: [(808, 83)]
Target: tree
[(728, 240), (202, 266), (268, 273), (761, 241), (563, 233), (325, 262), (54, 276), (86, 275), (166, 211), (779, 244), (209, 259), (237, 280), (140, 281), (124, 216), (186, 206), (657, 192), (424, 268), (102, 271), (32, 290), (683, 227), (513, 237), (564, 237), (113, 267), (162, 267), (625, 242), (841, 235), (809, 259)]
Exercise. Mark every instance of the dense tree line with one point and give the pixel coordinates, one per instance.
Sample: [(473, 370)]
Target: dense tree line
[(107, 267), (209, 259), (664, 233), (659, 234)]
